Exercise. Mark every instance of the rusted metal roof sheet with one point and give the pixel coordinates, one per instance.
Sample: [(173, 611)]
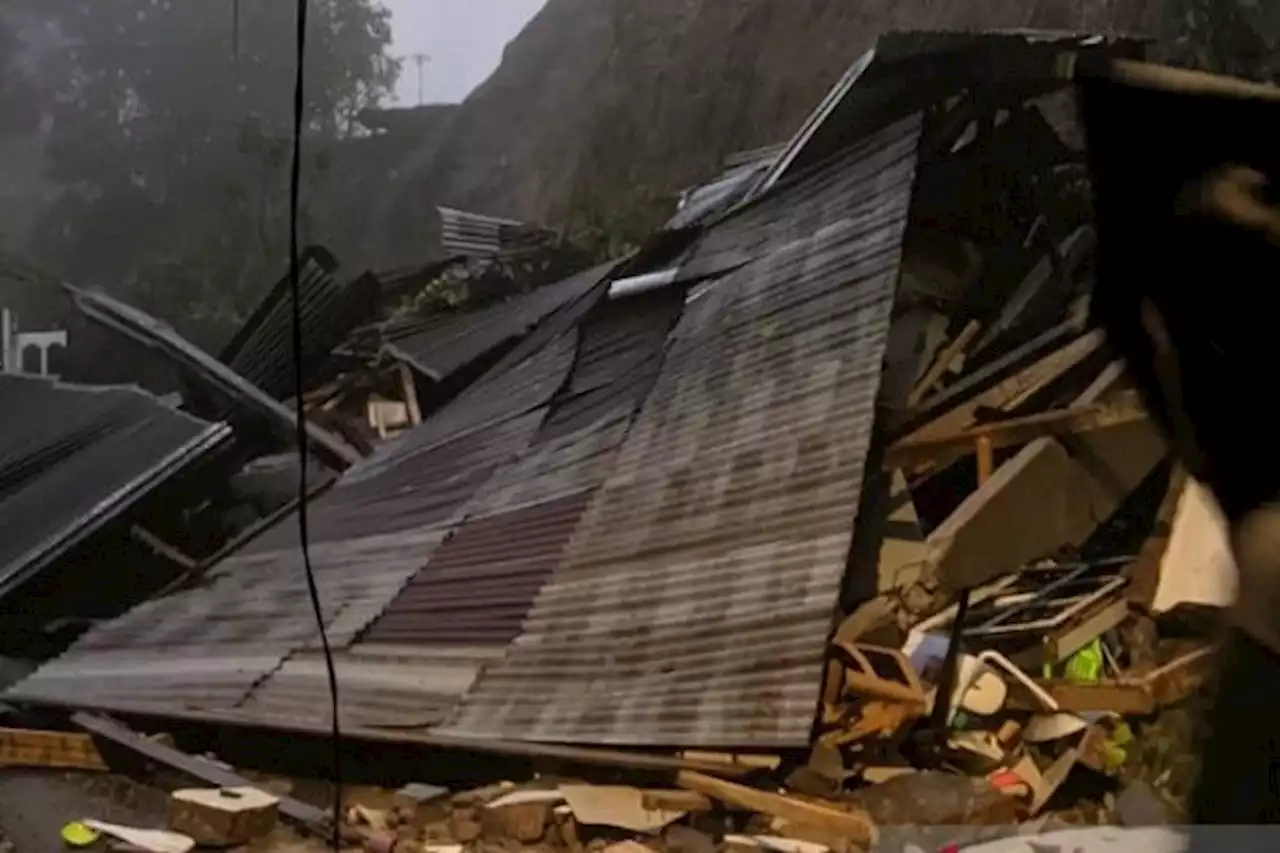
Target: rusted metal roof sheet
[(74, 458), (761, 227), (479, 236), (470, 600), (478, 586), (262, 351), (696, 595), (400, 687), (209, 648), (618, 359), (439, 347)]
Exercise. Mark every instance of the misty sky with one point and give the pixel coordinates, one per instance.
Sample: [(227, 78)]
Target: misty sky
[(464, 39)]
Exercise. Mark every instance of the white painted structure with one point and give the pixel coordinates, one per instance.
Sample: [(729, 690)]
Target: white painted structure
[(14, 344)]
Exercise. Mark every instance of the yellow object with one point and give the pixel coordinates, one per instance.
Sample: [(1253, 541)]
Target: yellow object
[(76, 834)]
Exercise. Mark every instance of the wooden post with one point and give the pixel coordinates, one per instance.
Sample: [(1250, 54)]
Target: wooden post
[(985, 459)]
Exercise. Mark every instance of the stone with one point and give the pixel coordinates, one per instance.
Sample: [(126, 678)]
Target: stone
[(525, 822), (223, 817), (464, 824)]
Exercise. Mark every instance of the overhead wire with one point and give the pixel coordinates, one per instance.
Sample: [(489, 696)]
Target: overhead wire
[(295, 276)]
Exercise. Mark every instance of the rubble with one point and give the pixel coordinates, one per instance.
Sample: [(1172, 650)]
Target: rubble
[(1015, 516)]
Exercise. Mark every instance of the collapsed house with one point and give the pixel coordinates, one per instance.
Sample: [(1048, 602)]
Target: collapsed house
[(91, 479), (715, 494)]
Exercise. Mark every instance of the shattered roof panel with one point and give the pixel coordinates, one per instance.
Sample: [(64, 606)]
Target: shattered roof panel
[(371, 533), (697, 593), (153, 333), (73, 458), (475, 591), (441, 346), (262, 351)]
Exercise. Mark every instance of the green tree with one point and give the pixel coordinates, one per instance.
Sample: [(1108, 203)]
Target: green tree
[(171, 129)]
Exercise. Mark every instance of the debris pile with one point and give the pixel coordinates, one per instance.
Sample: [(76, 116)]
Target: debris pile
[(823, 520)]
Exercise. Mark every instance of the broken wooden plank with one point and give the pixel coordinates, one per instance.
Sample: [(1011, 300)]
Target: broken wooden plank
[(162, 548), (1006, 382), (51, 750), (943, 363), (674, 801), (189, 765), (940, 450), (855, 825), (410, 391), (1044, 498)]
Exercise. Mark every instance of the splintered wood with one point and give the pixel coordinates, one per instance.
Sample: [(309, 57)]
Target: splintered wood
[(850, 823)]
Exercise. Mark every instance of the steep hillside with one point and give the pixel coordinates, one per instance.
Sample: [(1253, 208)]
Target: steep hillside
[(603, 109)]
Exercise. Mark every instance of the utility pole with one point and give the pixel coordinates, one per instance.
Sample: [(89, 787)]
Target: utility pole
[(420, 59)]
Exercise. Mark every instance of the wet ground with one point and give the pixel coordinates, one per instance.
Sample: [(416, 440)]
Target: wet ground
[(34, 805)]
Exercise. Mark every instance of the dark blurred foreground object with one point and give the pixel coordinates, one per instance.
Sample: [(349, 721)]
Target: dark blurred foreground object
[(1186, 170)]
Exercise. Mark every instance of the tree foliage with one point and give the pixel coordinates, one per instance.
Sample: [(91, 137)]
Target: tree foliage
[(171, 139)]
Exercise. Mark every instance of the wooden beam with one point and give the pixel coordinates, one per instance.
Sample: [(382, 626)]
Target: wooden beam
[(854, 824), (943, 363), (410, 391), (918, 450), (197, 768), (986, 458), (1011, 391), (161, 547), (1045, 497)]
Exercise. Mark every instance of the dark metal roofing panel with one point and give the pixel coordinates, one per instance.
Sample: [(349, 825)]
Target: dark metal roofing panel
[(73, 458), (401, 687), (618, 359), (207, 647), (761, 227), (476, 235), (438, 347), (371, 533), (479, 585), (475, 591), (155, 334), (742, 170), (262, 351), (696, 595)]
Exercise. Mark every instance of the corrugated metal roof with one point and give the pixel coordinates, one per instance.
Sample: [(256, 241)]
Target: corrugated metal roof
[(73, 458), (438, 347), (262, 351), (697, 593), (207, 647), (461, 610), (478, 586), (150, 332), (618, 360), (479, 236), (371, 533)]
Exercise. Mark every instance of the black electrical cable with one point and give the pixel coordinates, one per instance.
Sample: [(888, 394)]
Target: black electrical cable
[(295, 186)]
